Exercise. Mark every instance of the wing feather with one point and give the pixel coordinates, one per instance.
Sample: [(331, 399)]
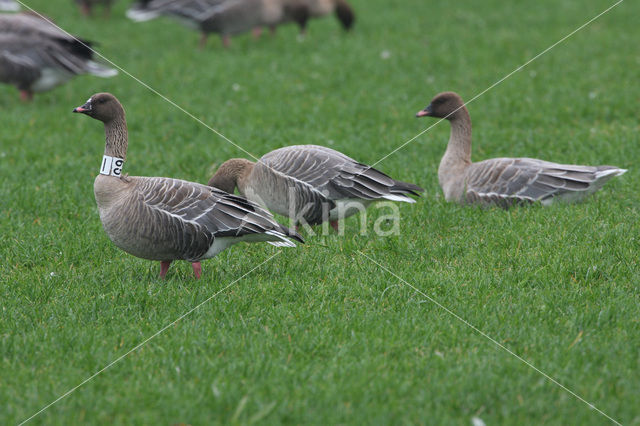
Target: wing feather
[(333, 174), (507, 181), (195, 214)]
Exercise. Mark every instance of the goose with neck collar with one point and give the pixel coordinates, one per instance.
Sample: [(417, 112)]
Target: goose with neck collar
[(166, 219), (505, 181)]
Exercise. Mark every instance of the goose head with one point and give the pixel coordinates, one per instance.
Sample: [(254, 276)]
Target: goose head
[(443, 105), (231, 174), (102, 106)]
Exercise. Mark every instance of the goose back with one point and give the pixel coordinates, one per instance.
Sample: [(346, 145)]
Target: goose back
[(316, 178), (508, 181), (188, 12), (168, 219), (37, 56)]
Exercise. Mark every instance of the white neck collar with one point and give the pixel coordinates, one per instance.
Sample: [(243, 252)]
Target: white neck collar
[(111, 166)]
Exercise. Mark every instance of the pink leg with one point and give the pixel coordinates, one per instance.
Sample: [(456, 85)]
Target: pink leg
[(256, 32), (197, 269), (164, 267), (26, 96), (226, 41), (334, 225), (203, 40)]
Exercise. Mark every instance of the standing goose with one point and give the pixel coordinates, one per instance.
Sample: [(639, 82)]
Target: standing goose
[(225, 17), (310, 182), (36, 56), (165, 219), (505, 181), (319, 8)]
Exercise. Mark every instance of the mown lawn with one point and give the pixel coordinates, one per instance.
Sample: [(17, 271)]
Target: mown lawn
[(321, 334)]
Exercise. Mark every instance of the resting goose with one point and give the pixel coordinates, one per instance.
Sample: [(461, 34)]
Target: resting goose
[(165, 219), (36, 56), (225, 17), (310, 182), (86, 6), (505, 181)]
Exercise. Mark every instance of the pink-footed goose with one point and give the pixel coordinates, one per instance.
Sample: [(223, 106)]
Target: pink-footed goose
[(36, 56), (319, 8), (310, 182), (165, 219), (225, 17), (505, 181)]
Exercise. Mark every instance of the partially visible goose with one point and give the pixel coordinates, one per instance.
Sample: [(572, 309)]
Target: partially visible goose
[(165, 219), (505, 181), (36, 56), (9, 6), (86, 6), (310, 182), (225, 17), (319, 8)]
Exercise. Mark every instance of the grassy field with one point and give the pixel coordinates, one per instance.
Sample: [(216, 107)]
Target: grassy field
[(322, 334)]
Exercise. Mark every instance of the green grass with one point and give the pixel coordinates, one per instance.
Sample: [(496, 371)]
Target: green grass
[(320, 334)]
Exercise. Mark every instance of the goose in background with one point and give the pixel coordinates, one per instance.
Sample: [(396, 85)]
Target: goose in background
[(319, 8), (86, 6), (225, 17), (36, 56), (310, 182), (9, 6), (165, 219), (505, 181)]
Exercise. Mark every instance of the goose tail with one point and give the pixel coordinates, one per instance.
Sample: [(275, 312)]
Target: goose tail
[(402, 189), (100, 70), (139, 14), (283, 237), (603, 175)]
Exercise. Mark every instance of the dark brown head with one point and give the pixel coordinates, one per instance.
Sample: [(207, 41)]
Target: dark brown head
[(231, 173), (102, 106), (444, 105)]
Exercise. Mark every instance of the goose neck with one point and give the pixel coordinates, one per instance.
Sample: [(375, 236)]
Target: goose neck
[(459, 147), (116, 137), (231, 174)]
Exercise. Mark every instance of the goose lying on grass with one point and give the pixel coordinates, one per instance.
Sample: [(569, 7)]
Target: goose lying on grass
[(505, 181), (36, 56), (165, 219), (310, 182)]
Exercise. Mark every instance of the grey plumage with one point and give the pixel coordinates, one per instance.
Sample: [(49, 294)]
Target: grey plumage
[(310, 182), (9, 6), (505, 181), (160, 218), (36, 56), (165, 219), (225, 17)]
